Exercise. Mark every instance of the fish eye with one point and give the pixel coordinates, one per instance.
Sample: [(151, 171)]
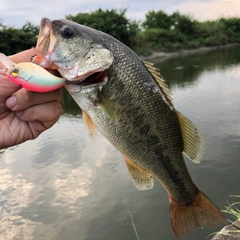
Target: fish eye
[(15, 72), (67, 32)]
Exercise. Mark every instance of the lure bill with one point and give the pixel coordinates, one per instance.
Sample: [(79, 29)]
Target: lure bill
[(31, 76)]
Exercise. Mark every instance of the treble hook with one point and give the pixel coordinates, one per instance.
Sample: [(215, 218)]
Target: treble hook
[(32, 58), (80, 86)]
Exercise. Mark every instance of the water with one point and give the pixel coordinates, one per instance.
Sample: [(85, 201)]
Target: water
[(65, 186)]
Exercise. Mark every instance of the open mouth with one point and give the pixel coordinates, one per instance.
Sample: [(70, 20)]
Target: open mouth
[(95, 79), (44, 39), (53, 52), (45, 44)]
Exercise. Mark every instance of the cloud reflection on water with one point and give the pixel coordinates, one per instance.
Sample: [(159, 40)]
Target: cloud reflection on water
[(41, 181)]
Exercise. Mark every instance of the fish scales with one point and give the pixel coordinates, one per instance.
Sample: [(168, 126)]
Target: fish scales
[(133, 110), (142, 138)]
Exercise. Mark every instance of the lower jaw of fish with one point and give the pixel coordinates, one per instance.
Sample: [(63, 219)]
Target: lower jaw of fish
[(95, 80)]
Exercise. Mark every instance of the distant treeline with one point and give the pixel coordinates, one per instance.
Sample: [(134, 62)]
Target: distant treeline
[(159, 31)]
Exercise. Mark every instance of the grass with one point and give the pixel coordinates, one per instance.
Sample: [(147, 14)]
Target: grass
[(234, 210)]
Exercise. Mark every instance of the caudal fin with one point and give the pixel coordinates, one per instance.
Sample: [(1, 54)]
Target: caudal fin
[(201, 213)]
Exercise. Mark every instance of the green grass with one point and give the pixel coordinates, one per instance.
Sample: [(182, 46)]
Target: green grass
[(234, 210)]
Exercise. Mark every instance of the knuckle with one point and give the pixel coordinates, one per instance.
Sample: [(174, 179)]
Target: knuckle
[(58, 94), (23, 99), (58, 109)]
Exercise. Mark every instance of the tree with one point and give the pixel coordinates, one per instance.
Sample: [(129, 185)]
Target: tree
[(157, 20), (112, 22), (184, 23), (14, 40)]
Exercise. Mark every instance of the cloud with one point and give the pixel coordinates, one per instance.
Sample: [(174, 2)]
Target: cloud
[(17, 15), (208, 10)]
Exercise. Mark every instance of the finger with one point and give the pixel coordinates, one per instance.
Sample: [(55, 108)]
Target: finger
[(47, 113), (41, 117), (24, 56), (23, 99), (6, 85)]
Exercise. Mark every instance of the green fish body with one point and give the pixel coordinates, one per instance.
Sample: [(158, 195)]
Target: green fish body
[(128, 101)]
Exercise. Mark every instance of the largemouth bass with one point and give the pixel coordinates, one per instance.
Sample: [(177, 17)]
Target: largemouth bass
[(128, 101)]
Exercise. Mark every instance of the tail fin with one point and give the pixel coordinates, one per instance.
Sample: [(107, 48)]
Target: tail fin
[(201, 213)]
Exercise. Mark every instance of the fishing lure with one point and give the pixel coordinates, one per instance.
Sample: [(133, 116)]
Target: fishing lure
[(31, 76)]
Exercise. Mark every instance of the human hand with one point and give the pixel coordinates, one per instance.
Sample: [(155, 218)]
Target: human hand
[(24, 115)]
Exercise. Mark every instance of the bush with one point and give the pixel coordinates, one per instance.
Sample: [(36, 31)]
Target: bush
[(232, 28), (193, 44), (158, 35), (15, 40), (209, 28)]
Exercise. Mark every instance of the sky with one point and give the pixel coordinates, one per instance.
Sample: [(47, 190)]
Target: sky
[(16, 13)]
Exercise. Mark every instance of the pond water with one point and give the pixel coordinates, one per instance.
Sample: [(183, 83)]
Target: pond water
[(65, 186)]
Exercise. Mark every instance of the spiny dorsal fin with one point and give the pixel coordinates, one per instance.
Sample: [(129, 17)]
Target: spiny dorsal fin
[(155, 72), (141, 178), (192, 139), (89, 124)]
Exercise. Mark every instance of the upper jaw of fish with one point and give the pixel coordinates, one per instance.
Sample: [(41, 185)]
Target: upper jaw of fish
[(43, 43)]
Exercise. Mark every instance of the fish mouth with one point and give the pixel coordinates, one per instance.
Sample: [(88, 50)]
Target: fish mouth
[(94, 80), (79, 73)]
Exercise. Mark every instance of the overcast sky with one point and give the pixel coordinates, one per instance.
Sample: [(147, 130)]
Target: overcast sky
[(17, 12)]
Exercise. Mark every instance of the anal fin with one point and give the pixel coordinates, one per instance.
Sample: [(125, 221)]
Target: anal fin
[(89, 124), (192, 139), (141, 178)]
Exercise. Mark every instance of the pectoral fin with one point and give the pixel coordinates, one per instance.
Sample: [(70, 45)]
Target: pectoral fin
[(105, 106), (89, 124), (192, 139), (141, 178)]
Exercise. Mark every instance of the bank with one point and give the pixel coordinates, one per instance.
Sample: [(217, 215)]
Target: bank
[(161, 56), (229, 232)]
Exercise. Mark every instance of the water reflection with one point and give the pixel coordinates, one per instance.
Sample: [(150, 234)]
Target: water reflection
[(184, 71), (65, 186), (69, 105)]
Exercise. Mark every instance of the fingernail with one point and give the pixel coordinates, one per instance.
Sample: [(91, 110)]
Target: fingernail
[(11, 102)]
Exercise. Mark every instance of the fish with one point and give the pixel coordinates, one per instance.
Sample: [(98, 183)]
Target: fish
[(129, 102), (31, 76)]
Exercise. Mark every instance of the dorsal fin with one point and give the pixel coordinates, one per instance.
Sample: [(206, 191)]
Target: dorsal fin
[(141, 178), (192, 139), (155, 72), (89, 124)]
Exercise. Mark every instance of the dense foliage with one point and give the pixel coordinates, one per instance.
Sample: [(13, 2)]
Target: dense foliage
[(112, 22), (158, 32), (13, 40), (177, 31)]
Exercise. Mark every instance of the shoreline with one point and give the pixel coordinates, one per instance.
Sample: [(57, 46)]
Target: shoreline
[(229, 232), (161, 56)]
